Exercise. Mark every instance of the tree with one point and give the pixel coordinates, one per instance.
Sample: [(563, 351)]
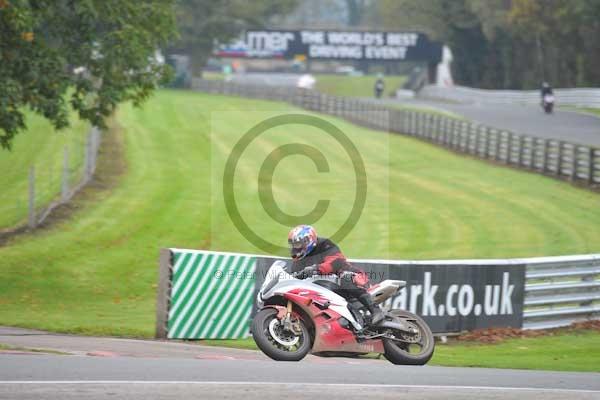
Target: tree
[(509, 43), (357, 9), (92, 54), (449, 21), (203, 23)]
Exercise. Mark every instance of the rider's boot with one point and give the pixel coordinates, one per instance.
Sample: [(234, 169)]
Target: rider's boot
[(376, 313)]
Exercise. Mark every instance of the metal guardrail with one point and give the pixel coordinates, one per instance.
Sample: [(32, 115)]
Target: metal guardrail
[(556, 158), (558, 290), (584, 97), (562, 290)]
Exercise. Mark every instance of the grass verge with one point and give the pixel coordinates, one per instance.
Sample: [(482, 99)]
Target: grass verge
[(340, 85), (574, 351), (95, 271), (356, 86), (593, 111)]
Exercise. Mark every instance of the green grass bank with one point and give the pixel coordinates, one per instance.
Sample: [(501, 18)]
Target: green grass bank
[(96, 272)]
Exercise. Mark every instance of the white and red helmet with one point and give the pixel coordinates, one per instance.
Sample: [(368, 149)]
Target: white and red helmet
[(302, 240)]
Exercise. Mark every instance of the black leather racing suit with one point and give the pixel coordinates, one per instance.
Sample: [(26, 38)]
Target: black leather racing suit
[(546, 90)]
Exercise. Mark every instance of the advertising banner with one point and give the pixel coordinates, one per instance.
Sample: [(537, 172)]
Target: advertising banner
[(334, 45), (450, 297)]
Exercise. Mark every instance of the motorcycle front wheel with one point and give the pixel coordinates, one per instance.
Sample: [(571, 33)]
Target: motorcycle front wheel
[(275, 341), (409, 349)]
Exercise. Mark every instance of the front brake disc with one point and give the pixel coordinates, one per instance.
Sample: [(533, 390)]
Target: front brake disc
[(281, 335)]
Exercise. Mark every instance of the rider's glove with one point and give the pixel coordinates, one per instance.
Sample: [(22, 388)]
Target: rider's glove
[(360, 279), (308, 272)]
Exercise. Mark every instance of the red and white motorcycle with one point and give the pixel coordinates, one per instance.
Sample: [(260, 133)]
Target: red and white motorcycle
[(296, 317)]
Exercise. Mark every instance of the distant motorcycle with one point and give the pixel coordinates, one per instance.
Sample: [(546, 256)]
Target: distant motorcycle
[(296, 317), (548, 103)]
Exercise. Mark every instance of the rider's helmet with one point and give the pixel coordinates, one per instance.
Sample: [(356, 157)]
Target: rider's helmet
[(302, 240), (545, 85)]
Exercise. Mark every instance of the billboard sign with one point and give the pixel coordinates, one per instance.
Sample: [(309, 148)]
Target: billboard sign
[(334, 45), (451, 297)]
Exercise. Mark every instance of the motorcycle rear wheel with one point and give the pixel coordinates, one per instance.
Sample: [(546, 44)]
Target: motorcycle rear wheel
[(401, 353), (265, 323)]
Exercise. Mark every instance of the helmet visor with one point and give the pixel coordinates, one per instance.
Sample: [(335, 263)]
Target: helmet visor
[(296, 248)]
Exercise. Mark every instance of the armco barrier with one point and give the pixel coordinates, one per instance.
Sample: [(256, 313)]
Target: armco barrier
[(206, 294), (584, 97), (555, 158), (561, 290)]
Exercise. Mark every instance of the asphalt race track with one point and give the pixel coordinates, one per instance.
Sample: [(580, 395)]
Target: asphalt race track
[(564, 125), (136, 369)]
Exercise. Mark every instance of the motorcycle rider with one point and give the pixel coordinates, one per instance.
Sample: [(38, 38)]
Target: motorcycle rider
[(379, 86), (545, 90), (314, 255)]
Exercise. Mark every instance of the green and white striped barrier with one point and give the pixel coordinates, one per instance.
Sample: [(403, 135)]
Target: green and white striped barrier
[(204, 294), (210, 295)]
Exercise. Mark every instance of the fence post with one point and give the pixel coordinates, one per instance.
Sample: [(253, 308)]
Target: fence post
[(444, 129), (498, 136), (591, 168), (508, 149), (488, 140), (574, 164), (65, 175), (438, 128), (544, 165), (559, 161), (163, 293), (32, 220), (453, 130), (520, 162)]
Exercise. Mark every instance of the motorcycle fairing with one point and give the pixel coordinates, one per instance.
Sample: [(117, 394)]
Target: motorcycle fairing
[(330, 336), (337, 303)]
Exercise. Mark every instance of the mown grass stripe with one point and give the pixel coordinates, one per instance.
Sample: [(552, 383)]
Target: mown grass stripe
[(199, 295), (227, 306)]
